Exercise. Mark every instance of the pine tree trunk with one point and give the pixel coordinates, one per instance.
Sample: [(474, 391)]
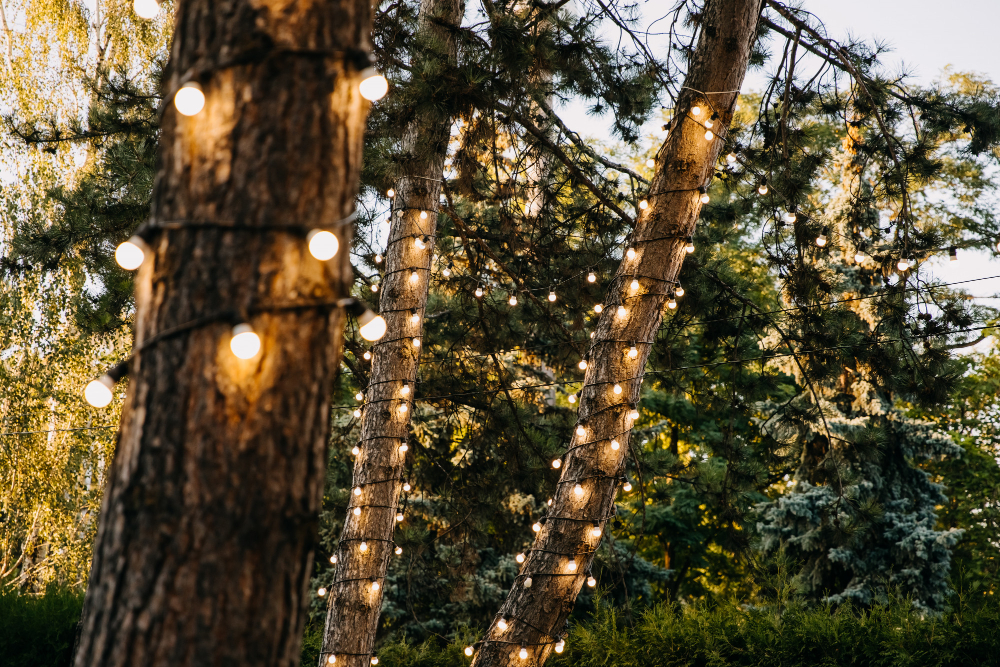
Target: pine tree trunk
[(352, 619), (205, 542), (536, 614)]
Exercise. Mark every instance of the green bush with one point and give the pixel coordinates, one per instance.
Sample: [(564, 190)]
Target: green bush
[(38, 630)]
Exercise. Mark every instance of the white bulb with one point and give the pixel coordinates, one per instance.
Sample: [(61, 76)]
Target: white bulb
[(399, 517), (363, 547), (321, 592), (416, 342), (580, 431), (643, 205), (633, 352), (468, 650), (527, 582), (859, 257), (405, 389), (902, 265), (615, 445), (479, 292), (591, 277), (627, 487), (560, 645), (390, 193), (372, 328), (367, 355), (689, 248), (419, 243), (356, 450), (146, 9), (622, 312), (190, 99), (519, 558), (332, 659), (536, 526), (705, 198), (446, 272), (731, 158), (709, 135), (357, 490), (374, 288), (650, 163), (402, 408), (399, 551), (582, 364), (696, 111), (679, 291), (523, 653), (617, 389), (375, 587), (672, 304), (414, 276), (634, 414), (502, 624), (374, 658), (130, 254), (373, 85), (552, 296), (245, 344), (634, 285), (590, 582), (406, 486), (571, 565), (359, 396), (333, 559), (578, 490), (323, 245), (709, 123), (98, 393), (821, 240), (357, 413), (630, 253), (556, 463), (598, 308), (572, 398), (423, 215), (512, 300), (762, 189), (596, 531), (357, 511)]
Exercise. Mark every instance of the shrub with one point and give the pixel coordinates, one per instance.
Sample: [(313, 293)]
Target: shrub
[(38, 630)]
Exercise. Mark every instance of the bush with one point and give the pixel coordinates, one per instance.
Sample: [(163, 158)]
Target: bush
[(38, 630)]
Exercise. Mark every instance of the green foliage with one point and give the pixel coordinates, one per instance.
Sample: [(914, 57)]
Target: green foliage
[(39, 630)]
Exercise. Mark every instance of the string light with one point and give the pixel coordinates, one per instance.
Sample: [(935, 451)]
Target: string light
[(704, 196), (552, 294), (479, 292), (650, 163), (403, 408), (190, 99), (357, 490), (634, 285), (591, 277), (627, 486), (416, 342), (591, 581), (399, 517), (523, 653), (709, 123), (578, 490), (633, 352), (859, 256), (414, 316), (615, 445), (679, 291), (323, 245), (468, 651), (902, 264), (356, 450), (633, 413), (560, 645), (572, 398), (131, 254), (363, 547), (762, 188), (519, 558), (596, 530), (617, 389), (399, 551), (406, 486), (571, 565), (423, 215), (556, 463), (689, 248), (790, 216), (390, 193), (731, 158), (582, 365), (414, 277), (321, 592), (359, 396), (821, 239), (447, 270), (357, 511), (621, 311), (527, 582), (245, 344), (630, 253), (502, 623), (357, 413), (99, 392), (371, 327), (375, 658), (146, 9), (333, 559), (709, 135), (419, 243), (695, 111), (537, 527), (374, 288), (367, 355), (672, 304), (643, 205), (332, 659), (580, 430), (373, 85), (598, 308), (512, 300)]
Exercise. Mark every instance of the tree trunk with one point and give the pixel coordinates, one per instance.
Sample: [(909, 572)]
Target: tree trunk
[(536, 615), (205, 544), (352, 619)]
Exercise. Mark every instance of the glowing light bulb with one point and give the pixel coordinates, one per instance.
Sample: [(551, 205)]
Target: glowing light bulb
[(399, 517), (355, 450), (578, 490), (560, 645), (705, 198), (414, 277), (374, 658), (190, 99), (572, 398), (679, 291), (709, 135), (357, 511), (99, 392), (580, 430), (591, 581), (367, 355), (321, 592), (821, 240), (333, 559), (416, 342), (556, 463), (245, 344), (131, 254), (419, 243), (617, 389), (468, 650), (552, 296), (598, 308), (399, 551), (359, 396), (146, 9), (731, 158), (447, 271), (332, 659), (621, 311), (357, 490), (643, 205), (762, 189), (695, 110), (423, 215), (615, 445), (373, 85), (502, 624), (633, 352), (375, 587), (403, 408), (519, 558), (672, 304), (527, 582), (709, 123), (374, 288), (372, 327), (627, 486), (523, 653), (512, 300), (390, 193), (363, 547), (536, 526), (323, 245), (634, 285), (689, 248), (902, 265), (479, 292), (630, 253), (591, 277), (596, 530), (633, 414), (406, 486), (582, 365), (859, 257), (357, 413), (571, 565), (403, 448)]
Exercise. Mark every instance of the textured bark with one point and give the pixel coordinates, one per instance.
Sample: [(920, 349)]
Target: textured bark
[(352, 618), (536, 614), (205, 542)]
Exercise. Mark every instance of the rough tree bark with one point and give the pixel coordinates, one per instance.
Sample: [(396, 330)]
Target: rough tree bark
[(205, 542), (535, 614), (352, 619)]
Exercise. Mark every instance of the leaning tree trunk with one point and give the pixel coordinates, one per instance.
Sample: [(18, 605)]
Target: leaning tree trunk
[(366, 545), (206, 536), (542, 597)]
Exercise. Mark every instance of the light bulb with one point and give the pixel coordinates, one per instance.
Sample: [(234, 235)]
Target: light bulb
[(621, 311), (374, 658), (580, 430), (689, 248), (405, 389), (367, 355), (523, 653), (419, 243), (633, 414), (859, 257), (357, 490), (399, 551), (374, 288), (821, 240), (519, 558), (355, 450), (709, 123), (502, 624), (357, 511), (679, 291), (406, 486), (902, 265), (190, 99), (709, 135), (598, 308), (512, 300), (583, 364), (146, 9), (634, 285), (323, 245), (617, 389), (414, 317), (321, 592), (416, 342), (402, 408), (790, 216), (375, 587), (572, 398), (552, 296), (696, 111), (414, 277), (399, 517), (615, 445), (130, 254), (527, 582), (390, 193), (468, 650), (536, 526), (731, 158), (630, 253), (627, 486), (372, 328), (447, 271), (596, 531), (357, 413), (359, 396), (578, 490), (672, 303), (333, 559), (560, 645), (643, 205), (363, 547), (705, 198), (245, 344), (591, 581), (99, 392), (479, 292), (373, 85), (571, 565), (556, 463), (332, 659), (633, 352), (591, 277), (762, 189)]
